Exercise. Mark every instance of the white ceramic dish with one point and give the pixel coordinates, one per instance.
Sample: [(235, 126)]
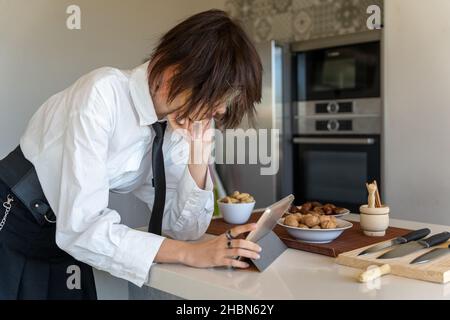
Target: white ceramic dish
[(236, 213), (317, 235), (341, 214), (337, 215)]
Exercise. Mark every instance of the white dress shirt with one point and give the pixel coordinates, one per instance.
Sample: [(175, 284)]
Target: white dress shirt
[(96, 137)]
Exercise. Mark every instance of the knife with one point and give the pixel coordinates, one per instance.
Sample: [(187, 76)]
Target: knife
[(414, 246), (431, 255), (415, 235)]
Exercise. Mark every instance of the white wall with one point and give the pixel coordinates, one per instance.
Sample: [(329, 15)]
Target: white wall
[(39, 56), (417, 109)]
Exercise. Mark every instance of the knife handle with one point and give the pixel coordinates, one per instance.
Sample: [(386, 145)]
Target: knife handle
[(416, 235), (436, 239)]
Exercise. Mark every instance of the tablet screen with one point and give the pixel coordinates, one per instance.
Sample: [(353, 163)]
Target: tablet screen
[(269, 219)]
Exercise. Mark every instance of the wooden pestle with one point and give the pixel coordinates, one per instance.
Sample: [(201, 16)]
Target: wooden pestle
[(378, 203)]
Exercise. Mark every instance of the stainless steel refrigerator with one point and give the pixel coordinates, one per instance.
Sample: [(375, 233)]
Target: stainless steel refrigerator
[(274, 112)]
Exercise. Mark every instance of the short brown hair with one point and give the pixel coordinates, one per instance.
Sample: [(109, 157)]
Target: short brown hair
[(214, 59)]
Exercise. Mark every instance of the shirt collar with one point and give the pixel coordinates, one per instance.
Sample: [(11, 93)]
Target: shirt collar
[(140, 94)]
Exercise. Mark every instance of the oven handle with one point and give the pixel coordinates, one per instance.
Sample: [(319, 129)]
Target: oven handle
[(346, 141)]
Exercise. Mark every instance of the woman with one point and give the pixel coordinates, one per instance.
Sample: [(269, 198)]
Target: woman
[(118, 131)]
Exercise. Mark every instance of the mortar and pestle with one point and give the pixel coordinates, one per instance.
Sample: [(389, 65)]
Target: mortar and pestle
[(374, 216)]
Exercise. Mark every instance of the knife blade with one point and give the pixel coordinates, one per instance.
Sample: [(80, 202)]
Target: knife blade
[(413, 246), (415, 235), (431, 255)]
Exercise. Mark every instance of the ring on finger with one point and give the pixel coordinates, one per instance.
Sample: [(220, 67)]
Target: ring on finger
[(229, 235)]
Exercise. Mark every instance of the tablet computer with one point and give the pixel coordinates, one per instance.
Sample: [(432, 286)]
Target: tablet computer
[(269, 218)]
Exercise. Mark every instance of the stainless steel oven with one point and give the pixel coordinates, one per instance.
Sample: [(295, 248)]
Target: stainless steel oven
[(336, 150), (335, 168), (337, 119)]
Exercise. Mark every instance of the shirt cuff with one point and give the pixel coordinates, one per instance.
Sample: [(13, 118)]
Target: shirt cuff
[(196, 205), (135, 256), (188, 183)]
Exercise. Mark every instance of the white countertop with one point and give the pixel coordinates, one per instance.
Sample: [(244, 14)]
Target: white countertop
[(294, 275)]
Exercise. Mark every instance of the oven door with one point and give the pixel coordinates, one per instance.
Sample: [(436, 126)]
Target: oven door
[(334, 169), (346, 72)]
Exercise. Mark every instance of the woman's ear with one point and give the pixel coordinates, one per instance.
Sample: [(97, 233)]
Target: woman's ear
[(166, 78)]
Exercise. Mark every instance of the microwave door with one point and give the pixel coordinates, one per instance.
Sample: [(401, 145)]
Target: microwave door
[(346, 72), (272, 113)]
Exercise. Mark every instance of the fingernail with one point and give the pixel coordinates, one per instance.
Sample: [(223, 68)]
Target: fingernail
[(258, 256), (246, 265), (259, 249)]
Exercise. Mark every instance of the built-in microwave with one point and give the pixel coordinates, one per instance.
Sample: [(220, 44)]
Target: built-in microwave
[(341, 72)]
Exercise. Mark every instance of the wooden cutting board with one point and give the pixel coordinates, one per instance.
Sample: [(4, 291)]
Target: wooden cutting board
[(350, 240), (434, 271)]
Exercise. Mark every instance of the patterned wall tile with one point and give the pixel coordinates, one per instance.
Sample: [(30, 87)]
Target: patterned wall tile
[(298, 5), (283, 31), (294, 20), (262, 8), (281, 6), (324, 20), (263, 29), (302, 24), (240, 9)]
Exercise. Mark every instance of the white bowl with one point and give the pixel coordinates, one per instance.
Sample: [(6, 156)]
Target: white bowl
[(337, 215), (236, 213), (317, 235)]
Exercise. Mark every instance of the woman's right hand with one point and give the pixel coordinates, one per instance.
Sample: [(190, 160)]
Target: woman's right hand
[(216, 253)]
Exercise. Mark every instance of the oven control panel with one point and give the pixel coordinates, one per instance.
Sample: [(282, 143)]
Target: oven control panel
[(360, 116)]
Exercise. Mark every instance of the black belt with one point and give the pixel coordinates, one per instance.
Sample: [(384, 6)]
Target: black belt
[(20, 176)]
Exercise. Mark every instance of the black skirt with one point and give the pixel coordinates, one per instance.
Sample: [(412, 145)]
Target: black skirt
[(32, 267)]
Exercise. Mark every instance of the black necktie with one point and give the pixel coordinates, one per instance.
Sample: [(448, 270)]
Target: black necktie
[(159, 179)]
